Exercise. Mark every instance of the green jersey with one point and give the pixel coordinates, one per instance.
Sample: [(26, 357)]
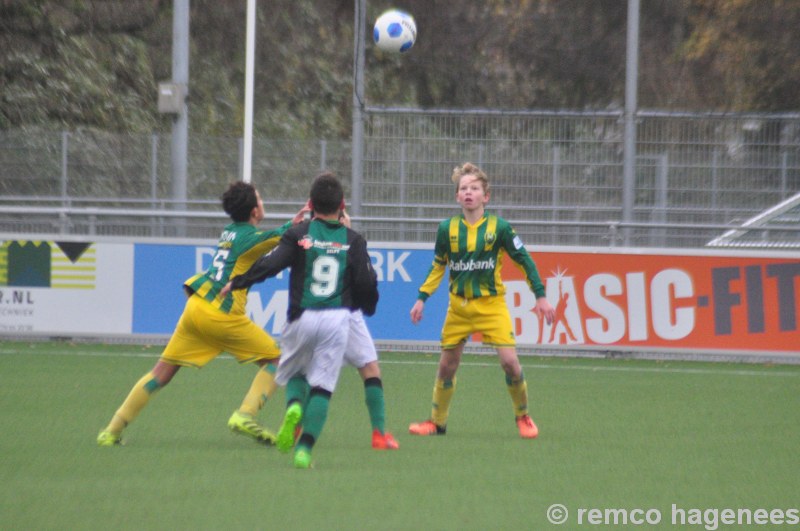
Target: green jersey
[(330, 268), (474, 255), (240, 245)]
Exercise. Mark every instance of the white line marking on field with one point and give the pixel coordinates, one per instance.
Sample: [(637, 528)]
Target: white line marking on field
[(600, 368), (109, 354), (542, 366)]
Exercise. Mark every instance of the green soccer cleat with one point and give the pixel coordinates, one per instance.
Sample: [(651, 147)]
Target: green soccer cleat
[(293, 416), (302, 458), (244, 424), (107, 438)]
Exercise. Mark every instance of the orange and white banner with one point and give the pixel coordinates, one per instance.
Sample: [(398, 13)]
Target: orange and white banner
[(679, 301)]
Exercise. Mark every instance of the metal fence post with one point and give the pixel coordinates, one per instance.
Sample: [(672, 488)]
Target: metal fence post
[(402, 183), (784, 166), (153, 178), (64, 165), (613, 233), (556, 194), (240, 158), (153, 169), (714, 179), (661, 199), (63, 218)]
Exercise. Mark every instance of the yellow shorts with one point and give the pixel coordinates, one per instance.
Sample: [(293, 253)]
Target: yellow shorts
[(487, 315), (203, 332)]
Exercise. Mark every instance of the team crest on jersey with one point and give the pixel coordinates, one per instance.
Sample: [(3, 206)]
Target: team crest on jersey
[(490, 238), (306, 242)]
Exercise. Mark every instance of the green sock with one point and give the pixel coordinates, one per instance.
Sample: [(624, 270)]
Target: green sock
[(314, 417), (373, 393), (297, 390)]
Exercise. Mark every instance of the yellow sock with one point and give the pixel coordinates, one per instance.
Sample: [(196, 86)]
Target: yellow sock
[(260, 390), (518, 389), (134, 403), (442, 394)]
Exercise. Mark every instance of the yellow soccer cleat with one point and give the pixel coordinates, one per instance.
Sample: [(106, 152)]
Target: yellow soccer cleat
[(244, 424), (107, 438)]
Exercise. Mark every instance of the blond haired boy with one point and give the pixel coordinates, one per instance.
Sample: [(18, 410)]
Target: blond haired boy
[(472, 245)]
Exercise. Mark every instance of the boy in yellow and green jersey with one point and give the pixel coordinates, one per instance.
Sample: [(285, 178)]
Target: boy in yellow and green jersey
[(472, 246), (212, 324)]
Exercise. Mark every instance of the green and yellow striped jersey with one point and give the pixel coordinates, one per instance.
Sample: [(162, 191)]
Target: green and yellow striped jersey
[(240, 245), (474, 253)]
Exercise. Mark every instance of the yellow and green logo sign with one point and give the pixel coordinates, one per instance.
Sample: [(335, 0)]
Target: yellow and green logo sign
[(39, 264)]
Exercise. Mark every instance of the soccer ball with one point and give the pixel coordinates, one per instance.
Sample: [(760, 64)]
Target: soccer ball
[(395, 31)]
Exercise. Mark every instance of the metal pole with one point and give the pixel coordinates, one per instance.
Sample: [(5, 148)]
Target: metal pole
[(556, 191), (247, 158), (323, 155), (784, 173), (153, 169), (180, 124), (153, 179), (662, 197), (357, 154), (629, 147), (64, 166)]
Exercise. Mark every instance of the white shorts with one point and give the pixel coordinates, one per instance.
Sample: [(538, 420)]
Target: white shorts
[(314, 346), (360, 346)]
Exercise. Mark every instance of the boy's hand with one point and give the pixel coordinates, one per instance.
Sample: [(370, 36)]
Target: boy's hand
[(544, 309), (225, 290), (416, 311), (301, 214)]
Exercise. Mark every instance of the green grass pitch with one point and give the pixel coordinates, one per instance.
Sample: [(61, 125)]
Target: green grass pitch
[(621, 434)]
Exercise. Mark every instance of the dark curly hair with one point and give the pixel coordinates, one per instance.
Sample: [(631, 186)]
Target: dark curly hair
[(239, 200)]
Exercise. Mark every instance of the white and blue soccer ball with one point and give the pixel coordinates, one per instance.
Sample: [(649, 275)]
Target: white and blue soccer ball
[(395, 31)]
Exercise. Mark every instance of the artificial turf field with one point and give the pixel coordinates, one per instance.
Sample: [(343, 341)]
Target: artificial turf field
[(614, 434)]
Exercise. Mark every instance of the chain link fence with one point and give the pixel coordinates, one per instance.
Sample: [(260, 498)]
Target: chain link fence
[(556, 175)]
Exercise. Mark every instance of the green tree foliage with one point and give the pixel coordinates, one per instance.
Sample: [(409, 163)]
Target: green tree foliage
[(303, 80), (744, 53), (76, 64), (92, 63)]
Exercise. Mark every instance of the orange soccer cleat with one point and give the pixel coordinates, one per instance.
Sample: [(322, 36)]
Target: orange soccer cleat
[(427, 427), (527, 428), (384, 441)]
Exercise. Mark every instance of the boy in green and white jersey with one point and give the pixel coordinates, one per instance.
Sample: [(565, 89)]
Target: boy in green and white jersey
[(331, 278)]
